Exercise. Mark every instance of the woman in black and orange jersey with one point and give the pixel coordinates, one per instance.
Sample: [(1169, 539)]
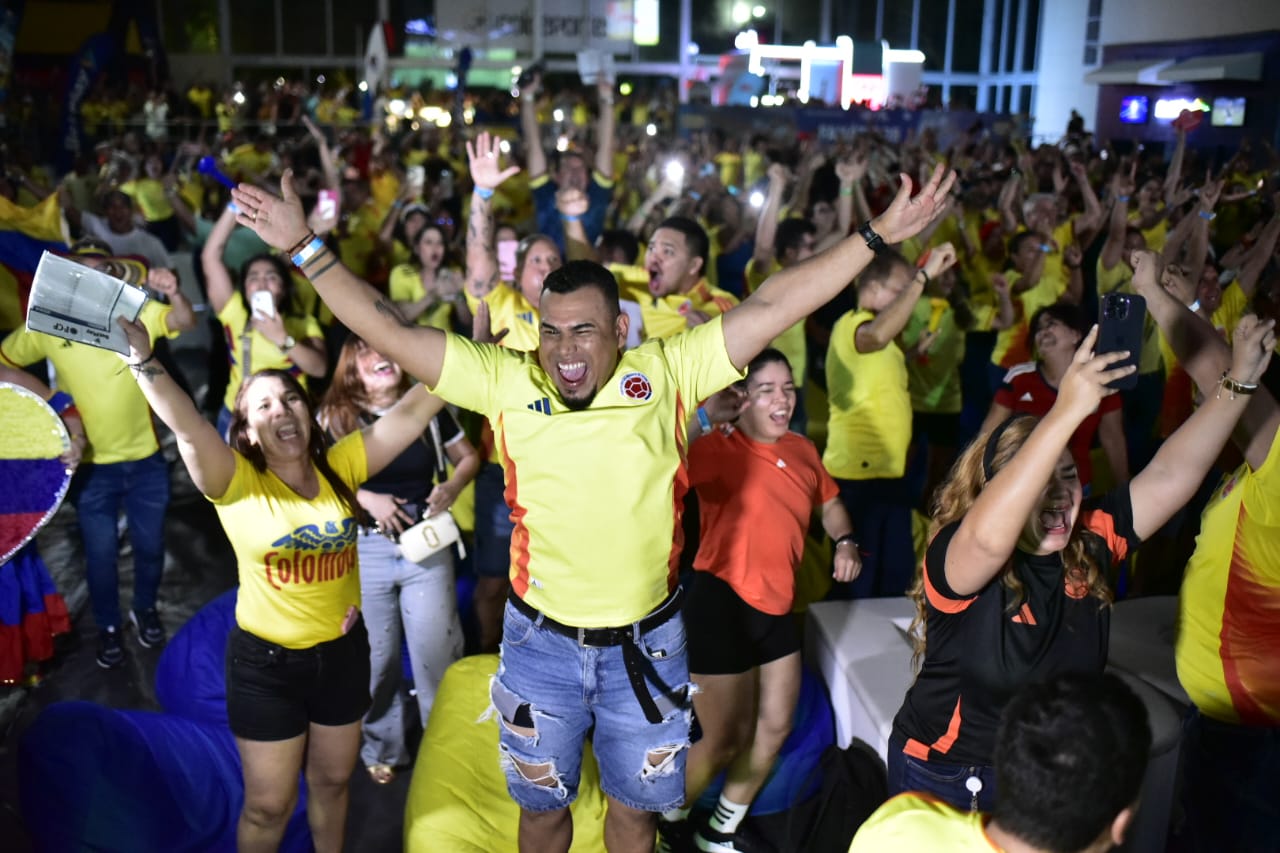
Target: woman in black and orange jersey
[(1012, 589), (297, 664), (401, 597), (758, 485)]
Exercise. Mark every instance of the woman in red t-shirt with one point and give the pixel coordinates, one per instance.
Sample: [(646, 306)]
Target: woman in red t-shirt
[(758, 485)]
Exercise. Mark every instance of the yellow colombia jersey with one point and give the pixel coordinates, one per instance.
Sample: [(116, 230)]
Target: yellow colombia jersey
[(263, 354), (918, 822), (790, 343), (664, 316), (596, 494), (508, 309), (1229, 311), (1013, 344), (406, 286), (1226, 650), (151, 199), (296, 557), (869, 425), (117, 420), (934, 378)]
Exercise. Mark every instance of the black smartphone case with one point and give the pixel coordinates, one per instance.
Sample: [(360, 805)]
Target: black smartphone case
[(1120, 327)]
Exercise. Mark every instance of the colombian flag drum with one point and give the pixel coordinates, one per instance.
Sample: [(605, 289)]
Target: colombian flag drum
[(33, 482)]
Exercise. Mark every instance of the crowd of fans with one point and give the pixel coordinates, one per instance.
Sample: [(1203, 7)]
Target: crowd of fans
[(458, 212)]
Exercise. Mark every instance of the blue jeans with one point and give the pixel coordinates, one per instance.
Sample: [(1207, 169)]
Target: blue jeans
[(881, 514), (549, 683), (415, 601), (97, 492), (1231, 788), (947, 782)]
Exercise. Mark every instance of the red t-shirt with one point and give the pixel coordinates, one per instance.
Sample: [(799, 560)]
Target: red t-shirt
[(1024, 390), (755, 502)]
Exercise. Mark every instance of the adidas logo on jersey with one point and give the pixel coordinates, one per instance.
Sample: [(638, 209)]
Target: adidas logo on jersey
[(1025, 398), (527, 316), (543, 405)]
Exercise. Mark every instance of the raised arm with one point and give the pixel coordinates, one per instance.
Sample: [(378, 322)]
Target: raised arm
[(1173, 177), (1204, 355), (482, 253), (605, 129), (327, 162), (850, 171), (209, 460), (572, 205), (182, 316), (535, 157), (1182, 462), (790, 295), (989, 532), (767, 218), (216, 275), (1113, 248), (361, 308), (1258, 256), (1088, 222), (889, 323)]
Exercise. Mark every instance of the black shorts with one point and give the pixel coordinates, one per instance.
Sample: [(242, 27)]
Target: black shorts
[(727, 636), (274, 693)]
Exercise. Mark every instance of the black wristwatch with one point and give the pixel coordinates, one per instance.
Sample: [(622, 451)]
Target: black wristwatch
[(874, 241)]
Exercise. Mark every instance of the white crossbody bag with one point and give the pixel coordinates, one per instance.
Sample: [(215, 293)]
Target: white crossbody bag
[(437, 532)]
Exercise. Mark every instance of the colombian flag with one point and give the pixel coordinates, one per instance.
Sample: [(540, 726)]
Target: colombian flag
[(25, 232)]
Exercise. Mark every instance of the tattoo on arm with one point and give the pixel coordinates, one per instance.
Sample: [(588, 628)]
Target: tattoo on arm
[(389, 309)]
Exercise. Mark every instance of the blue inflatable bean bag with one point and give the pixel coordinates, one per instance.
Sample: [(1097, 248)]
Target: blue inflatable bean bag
[(793, 779), (104, 779)]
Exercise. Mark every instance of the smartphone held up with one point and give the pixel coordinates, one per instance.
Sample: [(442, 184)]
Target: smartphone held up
[(1121, 321)]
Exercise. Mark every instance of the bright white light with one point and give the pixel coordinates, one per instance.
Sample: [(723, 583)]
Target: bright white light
[(429, 113), (693, 48), (504, 146), (364, 86), (451, 80), (395, 106), (896, 55), (746, 40), (756, 199), (741, 13), (625, 89), (558, 115), (675, 172), (755, 101), (238, 97), (562, 144), (444, 120), (651, 130), (468, 115), (757, 11), (806, 54), (279, 82), (516, 70), (320, 78), (1170, 108)]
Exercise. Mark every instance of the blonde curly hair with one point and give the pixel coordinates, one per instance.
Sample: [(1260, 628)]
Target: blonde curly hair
[(1082, 558)]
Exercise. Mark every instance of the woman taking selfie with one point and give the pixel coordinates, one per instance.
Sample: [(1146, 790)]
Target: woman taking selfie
[(415, 600), (298, 658), (1013, 585)]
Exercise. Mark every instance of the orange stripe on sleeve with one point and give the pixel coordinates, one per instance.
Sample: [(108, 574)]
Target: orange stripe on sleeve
[(940, 601), (1104, 525)]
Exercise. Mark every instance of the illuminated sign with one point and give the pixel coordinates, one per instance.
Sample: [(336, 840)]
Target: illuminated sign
[(852, 87), (1170, 108)]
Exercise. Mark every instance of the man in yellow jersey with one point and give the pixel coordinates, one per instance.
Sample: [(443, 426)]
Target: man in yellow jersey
[(123, 465), (869, 419), (1228, 633), (678, 296), (1069, 761), (594, 444)]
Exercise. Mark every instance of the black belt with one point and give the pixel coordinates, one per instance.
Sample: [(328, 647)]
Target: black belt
[(638, 666), (600, 637)]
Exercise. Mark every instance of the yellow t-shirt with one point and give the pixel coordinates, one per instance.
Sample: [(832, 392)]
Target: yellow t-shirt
[(246, 159), (1230, 310), (668, 315), (508, 309), (149, 194), (1013, 345), (360, 240), (869, 420), (596, 495), (296, 558), (914, 823), (117, 419), (406, 286), (790, 343), (934, 378), (263, 354), (1229, 633)]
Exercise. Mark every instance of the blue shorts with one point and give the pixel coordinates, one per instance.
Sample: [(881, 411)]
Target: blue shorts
[(549, 683)]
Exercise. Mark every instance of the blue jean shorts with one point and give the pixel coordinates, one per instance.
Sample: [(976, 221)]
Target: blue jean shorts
[(549, 683)]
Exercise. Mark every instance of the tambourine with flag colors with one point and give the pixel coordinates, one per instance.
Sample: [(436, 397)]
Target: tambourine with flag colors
[(32, 437)]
